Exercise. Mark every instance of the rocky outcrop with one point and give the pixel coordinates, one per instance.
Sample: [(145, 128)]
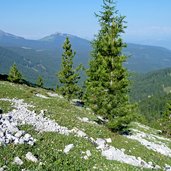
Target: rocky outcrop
[(10, 133)]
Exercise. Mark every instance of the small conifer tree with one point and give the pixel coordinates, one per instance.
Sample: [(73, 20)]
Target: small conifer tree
[(14, 74), (39, 82), (107, 82), (68, 76), (165, 121)]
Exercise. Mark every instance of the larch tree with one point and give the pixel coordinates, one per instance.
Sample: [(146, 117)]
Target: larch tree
[(107, 83), (68, 76)]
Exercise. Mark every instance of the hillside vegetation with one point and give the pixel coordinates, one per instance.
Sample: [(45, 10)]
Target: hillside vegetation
[(152, 91), (92, 145)]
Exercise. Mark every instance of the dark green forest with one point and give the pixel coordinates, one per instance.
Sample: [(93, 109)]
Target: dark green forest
[(151, 92)]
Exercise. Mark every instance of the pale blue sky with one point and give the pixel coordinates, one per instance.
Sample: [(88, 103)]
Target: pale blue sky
[(147, 19)]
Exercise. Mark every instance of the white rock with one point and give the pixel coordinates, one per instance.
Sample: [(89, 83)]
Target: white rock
[(88, 153), (151, 142), (19, 134), (85, 157), (167, 167), (31, 157), (157, 167), (108, 140), (100, 142), (27, 137), (55, 95), (16, 141), (122, 149), (78, 132), (17, 161), (68, 148), (43, 124), (41, 96), (31, 143), (3, 168), (1, 134), (21, 141), (150, 163)]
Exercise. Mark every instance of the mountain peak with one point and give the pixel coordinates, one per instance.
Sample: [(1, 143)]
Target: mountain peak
[(57, 35)]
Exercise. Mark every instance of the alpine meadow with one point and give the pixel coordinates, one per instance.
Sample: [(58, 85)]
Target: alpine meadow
[(95, 97)]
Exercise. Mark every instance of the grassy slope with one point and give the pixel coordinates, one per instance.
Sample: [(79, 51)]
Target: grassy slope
[(48, 145)]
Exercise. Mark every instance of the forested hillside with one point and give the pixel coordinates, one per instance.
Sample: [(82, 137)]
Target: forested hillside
[(43, 57), (152, 91)]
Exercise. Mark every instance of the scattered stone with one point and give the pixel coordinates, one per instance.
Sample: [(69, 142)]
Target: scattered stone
[(18, 161), (112, 153), (150, 163), (108, 140), (86, 120), (101, 120), (55, 95), (1, 111), (88, 153), (100, 143), (85, 157), (21, 115), (157, 167), (78, 132), (27, 137), (122, 149), (31, 157), (83, 119), (41, 96), (68, 148), (3, 168), (19, 134), (151, 142), (9, 132), (167, 167)]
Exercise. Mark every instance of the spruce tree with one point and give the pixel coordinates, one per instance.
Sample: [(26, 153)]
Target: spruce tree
[(14, 74), (165, 121), (39, 82), (68, 76), (107, 83)]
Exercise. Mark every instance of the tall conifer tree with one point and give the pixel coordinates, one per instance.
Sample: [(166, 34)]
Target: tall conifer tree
[(68, 76), (107, 82)]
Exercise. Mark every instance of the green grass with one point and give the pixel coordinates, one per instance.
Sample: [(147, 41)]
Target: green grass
[(49, 146)]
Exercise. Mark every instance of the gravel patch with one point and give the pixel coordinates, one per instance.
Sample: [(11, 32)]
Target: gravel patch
[(22, 115), (10, 133)]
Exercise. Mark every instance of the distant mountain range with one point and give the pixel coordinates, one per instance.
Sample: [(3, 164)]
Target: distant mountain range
[(43, 57)]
